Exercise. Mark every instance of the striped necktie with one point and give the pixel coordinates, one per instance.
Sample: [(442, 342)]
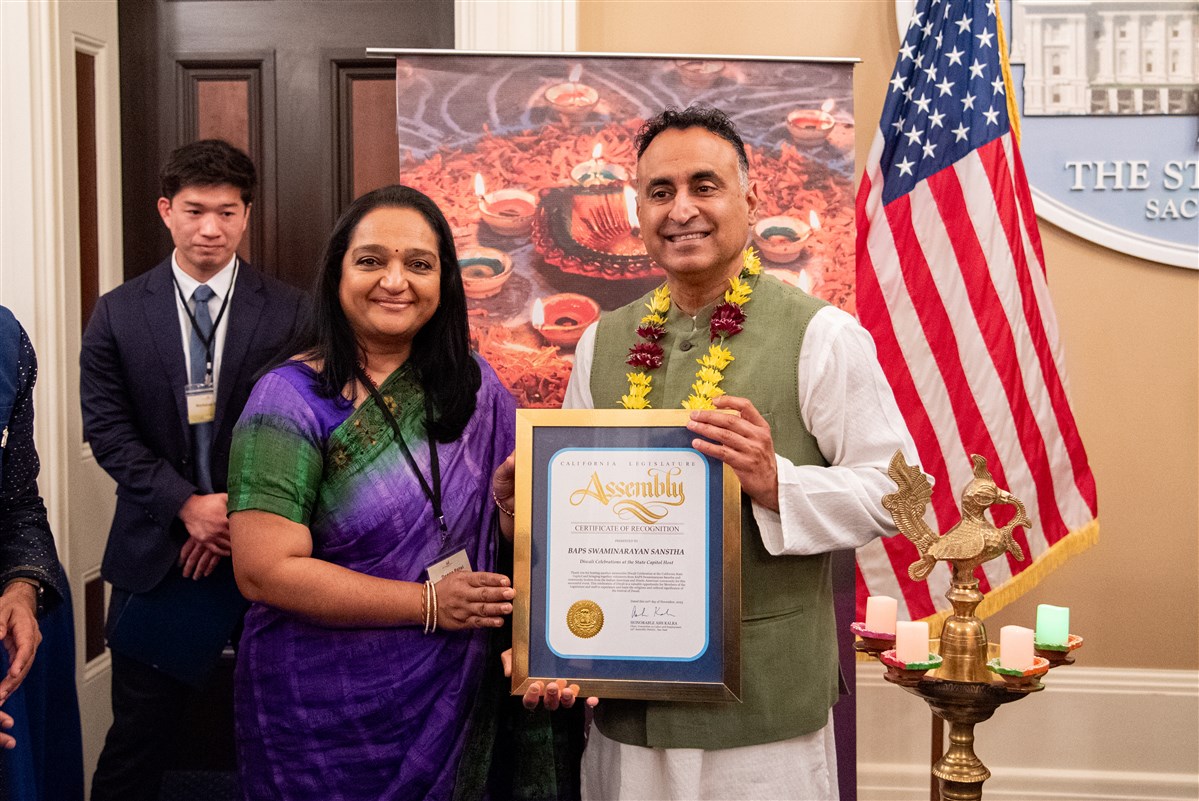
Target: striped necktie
[(201, 432)]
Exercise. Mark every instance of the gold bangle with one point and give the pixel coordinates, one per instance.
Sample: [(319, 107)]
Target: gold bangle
[(433, 589), (500, 506), (427, 604)]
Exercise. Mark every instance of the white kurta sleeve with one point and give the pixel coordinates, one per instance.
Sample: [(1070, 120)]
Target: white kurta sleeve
[(847, 404), (578, 391)]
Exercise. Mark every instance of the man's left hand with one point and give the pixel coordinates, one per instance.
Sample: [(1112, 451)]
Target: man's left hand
[(553, 695), (20, 633), (743, 442)]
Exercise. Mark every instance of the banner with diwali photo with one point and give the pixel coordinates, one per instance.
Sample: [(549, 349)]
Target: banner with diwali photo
[(532, 160)]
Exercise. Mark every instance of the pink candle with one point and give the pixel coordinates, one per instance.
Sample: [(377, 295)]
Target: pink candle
[(1015, 647), (880, 614), (911, 641)]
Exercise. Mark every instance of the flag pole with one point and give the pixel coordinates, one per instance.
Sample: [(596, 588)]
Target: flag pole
[(938, 751)]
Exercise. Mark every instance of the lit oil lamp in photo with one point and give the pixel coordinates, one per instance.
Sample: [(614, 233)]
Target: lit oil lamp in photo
[(561, 319), (573, 100), (596, 171), (508, 211), (484, 271), (698, 74), (781, 239), (811, 126)]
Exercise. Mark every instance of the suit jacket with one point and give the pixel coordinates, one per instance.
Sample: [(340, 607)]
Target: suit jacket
[(132, 375)]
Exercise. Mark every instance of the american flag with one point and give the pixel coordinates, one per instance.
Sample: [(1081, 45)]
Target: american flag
[(951, 284)]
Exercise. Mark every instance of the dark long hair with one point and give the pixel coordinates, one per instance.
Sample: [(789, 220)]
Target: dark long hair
[(440, 350)]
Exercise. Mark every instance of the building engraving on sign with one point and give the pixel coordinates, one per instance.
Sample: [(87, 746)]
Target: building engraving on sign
[(1107, 57)]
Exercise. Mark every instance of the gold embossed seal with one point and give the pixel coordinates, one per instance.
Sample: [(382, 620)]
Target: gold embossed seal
[(584, 619)]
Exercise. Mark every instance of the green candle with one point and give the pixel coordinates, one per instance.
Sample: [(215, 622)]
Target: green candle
[(1053, 624)]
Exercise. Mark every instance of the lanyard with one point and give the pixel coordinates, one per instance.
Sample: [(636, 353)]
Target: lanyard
[(432, 493), (191, 317)]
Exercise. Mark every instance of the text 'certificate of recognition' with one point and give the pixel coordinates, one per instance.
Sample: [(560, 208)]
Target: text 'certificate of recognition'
[(628, 552), (626, 557)]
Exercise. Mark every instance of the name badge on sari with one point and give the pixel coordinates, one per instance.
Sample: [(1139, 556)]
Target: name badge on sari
[(201, 403), (450, 564)]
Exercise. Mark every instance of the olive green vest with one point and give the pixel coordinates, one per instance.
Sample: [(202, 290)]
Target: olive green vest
[(788, 636)]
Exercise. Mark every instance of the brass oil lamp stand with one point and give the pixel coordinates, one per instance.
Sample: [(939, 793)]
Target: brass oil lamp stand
[(961, 683)]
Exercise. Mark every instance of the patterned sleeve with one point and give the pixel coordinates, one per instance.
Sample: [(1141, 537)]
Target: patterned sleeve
[(277, 458), (26, 545)]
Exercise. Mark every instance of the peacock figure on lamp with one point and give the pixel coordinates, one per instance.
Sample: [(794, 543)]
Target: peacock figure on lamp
[(970, 543), (974, 540)]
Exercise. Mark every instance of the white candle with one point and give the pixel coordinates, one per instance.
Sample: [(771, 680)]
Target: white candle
[(1015, 647), (911, 641), (880, 614)]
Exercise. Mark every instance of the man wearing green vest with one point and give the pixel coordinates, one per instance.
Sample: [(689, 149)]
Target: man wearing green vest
[(816, 429)]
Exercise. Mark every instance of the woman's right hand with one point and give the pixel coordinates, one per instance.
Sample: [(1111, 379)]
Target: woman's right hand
[(469, 600)]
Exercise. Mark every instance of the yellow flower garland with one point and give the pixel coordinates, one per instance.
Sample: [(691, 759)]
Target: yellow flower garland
[(712, 364)]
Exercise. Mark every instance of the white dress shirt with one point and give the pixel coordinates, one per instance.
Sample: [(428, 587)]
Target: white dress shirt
[(222, 286)]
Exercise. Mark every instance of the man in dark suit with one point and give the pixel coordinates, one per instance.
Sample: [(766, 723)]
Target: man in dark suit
[(168, 362)]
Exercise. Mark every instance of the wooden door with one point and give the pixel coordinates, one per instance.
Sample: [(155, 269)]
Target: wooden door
[(286, 80)]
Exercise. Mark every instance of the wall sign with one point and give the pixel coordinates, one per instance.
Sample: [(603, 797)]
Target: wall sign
[(1108, 92)]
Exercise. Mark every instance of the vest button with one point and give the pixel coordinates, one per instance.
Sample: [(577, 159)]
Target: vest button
[(685, 345)]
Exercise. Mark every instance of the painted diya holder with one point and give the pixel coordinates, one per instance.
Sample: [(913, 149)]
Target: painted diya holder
[(508, 212), (1057, 655), (907, 674), (872, 642), (1023, 680), (810, 127), (698, 74), (561, 319), (573, 100), (484, 271), (781, 239)]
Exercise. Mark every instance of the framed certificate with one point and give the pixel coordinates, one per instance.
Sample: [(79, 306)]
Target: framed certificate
[(628, 557)]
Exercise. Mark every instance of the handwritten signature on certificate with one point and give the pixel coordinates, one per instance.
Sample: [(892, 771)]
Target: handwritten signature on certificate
[(657, 611)]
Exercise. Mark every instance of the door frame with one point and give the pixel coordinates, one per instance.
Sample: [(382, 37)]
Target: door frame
[(40, 276)]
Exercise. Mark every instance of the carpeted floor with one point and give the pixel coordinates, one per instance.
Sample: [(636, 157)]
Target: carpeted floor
[(200, 785)]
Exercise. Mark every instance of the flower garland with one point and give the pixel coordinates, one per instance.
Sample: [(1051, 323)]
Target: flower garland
[(728, 319)]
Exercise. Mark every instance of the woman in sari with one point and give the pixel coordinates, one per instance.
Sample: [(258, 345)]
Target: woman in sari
[(363, 524)]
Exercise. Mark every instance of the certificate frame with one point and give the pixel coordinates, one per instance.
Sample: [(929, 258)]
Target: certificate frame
[(676, 585)]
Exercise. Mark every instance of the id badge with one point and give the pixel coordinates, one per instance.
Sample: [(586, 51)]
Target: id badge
[(450, 564), (201, 403)]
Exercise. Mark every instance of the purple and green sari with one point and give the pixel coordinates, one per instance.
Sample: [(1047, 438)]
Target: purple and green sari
[(380, 713)]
